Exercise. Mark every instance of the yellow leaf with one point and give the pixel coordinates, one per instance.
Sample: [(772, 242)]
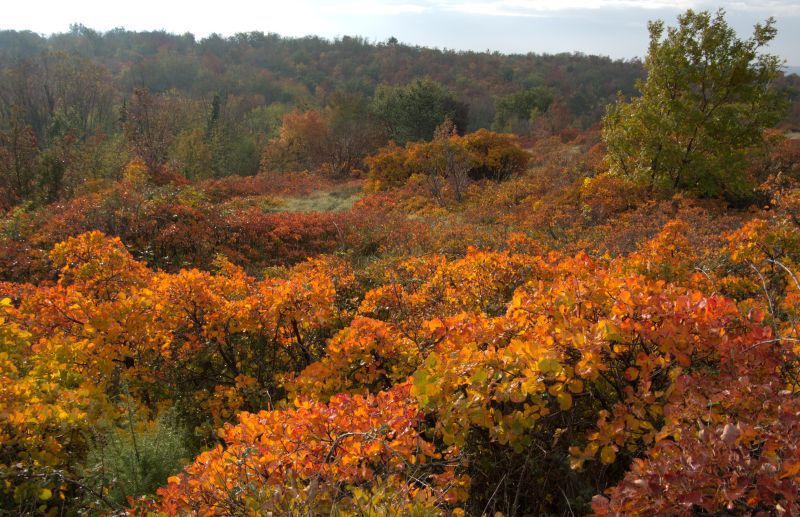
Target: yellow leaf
[(608, 455), (549, 365), (575, 386), (45, 494), (564, 400)]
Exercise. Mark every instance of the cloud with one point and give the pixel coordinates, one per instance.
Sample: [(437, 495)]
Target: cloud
[(385, 8), (544, 7), (538, 7)]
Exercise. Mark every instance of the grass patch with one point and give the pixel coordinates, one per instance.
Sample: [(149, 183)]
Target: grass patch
[(337, 199), (134, 461)]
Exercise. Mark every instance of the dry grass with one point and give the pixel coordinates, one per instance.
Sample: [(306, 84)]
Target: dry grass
[(336, 199)]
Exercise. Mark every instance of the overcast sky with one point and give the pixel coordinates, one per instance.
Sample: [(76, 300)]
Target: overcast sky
[(610, 27)]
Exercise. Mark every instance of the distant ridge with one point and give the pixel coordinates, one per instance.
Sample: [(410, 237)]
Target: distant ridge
[(792, 70)]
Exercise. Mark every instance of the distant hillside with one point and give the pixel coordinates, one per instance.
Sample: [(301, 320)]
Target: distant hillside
[(267, 68), (792, 70), (75, 106)]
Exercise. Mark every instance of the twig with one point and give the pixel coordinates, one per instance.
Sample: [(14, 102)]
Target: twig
[(569, 506), (769, 298), (494, 493)]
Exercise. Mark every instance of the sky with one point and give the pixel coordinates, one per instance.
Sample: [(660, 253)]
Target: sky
[(616, 28)]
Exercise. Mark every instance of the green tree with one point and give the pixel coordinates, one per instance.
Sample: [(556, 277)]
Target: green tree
[(704, 104), (412, 113), (515, 112), (193, 155)]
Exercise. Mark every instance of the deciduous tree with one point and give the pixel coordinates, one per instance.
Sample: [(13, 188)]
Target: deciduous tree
[(705, 101)]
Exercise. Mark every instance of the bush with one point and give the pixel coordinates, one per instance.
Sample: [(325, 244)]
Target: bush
[(488, 155), (498, 156)]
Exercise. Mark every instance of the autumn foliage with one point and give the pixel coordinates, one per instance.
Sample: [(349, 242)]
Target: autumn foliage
[(309, 459), (484, 325), (365, 394), (330, 384), (482, 155)]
